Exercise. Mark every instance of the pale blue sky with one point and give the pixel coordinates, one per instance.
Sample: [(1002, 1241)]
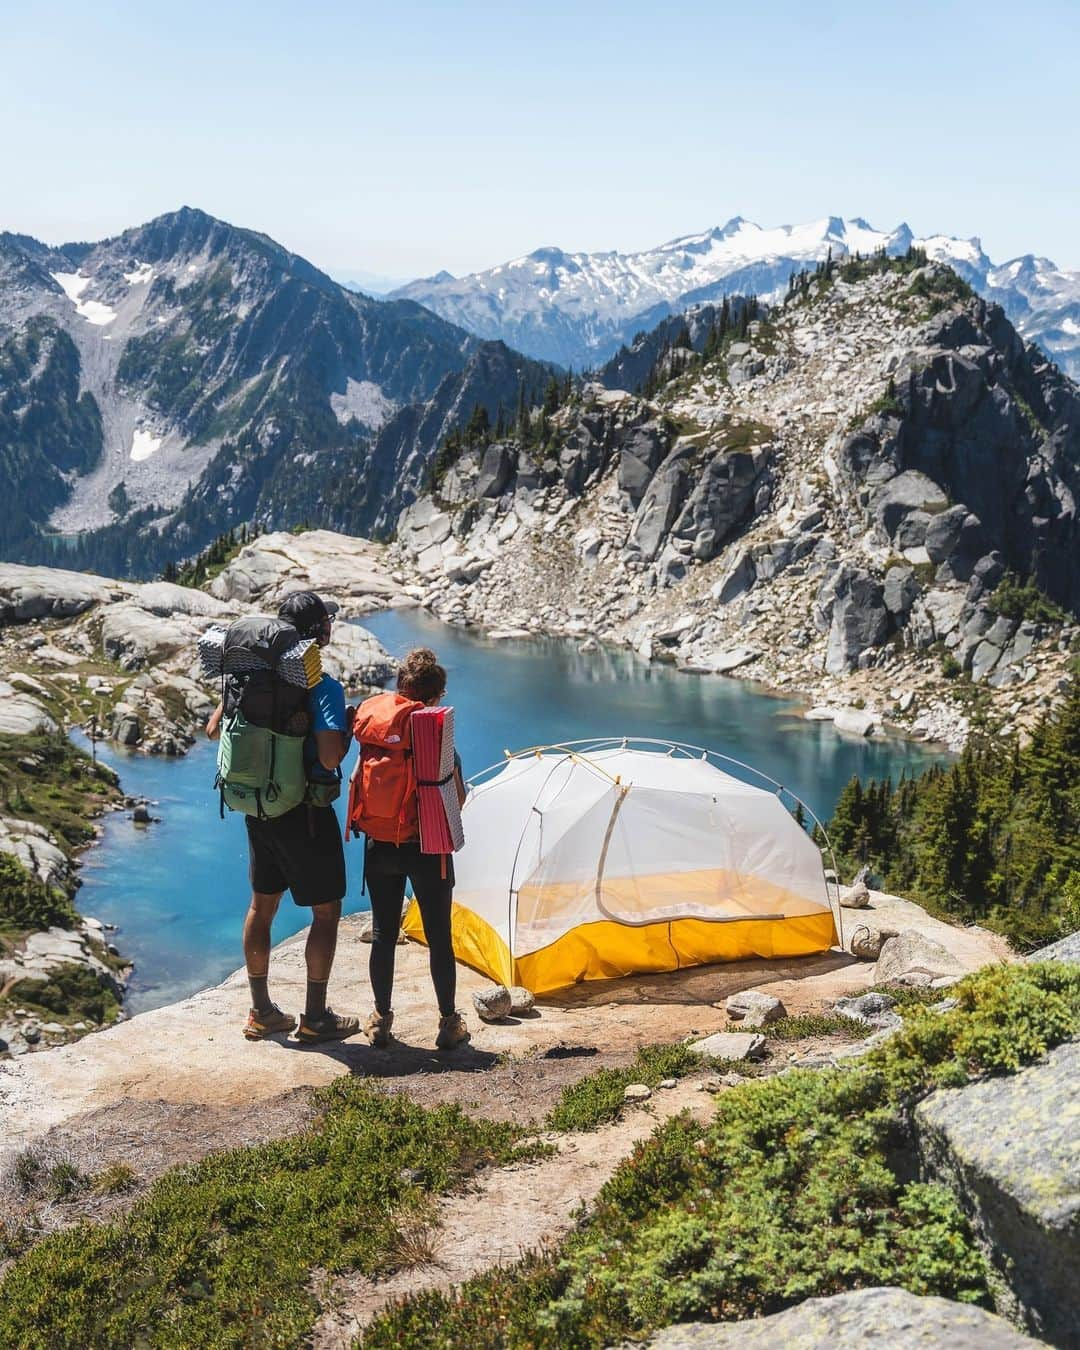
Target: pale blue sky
[(402, 138)]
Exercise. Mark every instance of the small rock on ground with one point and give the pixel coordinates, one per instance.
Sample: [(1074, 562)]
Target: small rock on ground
[(521, 1000), (754, 1009), (492, 1004), (730, 1045), (856, 897), (637, 1092)]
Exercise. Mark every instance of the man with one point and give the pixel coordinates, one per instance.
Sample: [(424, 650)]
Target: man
[(300, 851)]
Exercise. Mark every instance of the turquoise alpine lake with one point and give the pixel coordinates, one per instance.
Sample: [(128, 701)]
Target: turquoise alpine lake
[(177, 890)]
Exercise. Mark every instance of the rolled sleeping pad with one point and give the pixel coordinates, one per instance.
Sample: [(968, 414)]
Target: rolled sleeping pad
[(436, 791)]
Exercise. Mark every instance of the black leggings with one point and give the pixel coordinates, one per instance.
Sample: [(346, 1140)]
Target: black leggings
[(386, 868)]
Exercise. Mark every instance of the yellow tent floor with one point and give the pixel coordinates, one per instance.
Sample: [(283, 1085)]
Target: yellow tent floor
[(605, 950)]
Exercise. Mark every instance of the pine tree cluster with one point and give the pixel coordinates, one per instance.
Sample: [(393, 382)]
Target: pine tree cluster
[(529, 426), (207, 564), (992, 838)]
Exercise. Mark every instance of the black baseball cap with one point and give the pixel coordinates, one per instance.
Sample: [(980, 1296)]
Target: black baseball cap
[(306, 611)]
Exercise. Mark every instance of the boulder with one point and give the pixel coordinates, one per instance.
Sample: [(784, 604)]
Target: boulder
[(875, 1010), (521, 1000), (721, 663), (127, 729), (1010, 1148), (732, 488), (855, 721), (739, 577), (36, 849), (496, 471), (661, 504), (859, 619), (856, 896), (955, 539), (1066, 949), (640, 454), (163, 598), (909, 492), (754, 1009), (912, 958), (136, 637), (636, 1092), (985, 576), (733, 1045), (890, 1319), (356, 657), (50, 592), (339, 566), (900, 591), (492, 1004), (22, 714)]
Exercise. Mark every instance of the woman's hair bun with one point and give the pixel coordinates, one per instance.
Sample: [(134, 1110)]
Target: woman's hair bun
[(420, 676)]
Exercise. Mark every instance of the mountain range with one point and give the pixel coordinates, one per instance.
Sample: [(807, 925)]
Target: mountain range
[(161, 385), (578, 309)]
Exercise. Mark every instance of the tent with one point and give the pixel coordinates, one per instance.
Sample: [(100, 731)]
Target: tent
[(594, 860)]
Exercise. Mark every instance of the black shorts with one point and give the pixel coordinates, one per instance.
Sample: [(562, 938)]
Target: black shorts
[(301, 852)]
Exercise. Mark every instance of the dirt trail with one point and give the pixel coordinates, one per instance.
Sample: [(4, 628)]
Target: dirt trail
[(511, 1211)]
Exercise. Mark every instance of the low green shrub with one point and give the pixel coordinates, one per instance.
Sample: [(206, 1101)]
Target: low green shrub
[(221, 1253), (26, 903), (791, 1192), (72, 991), (817, 1024), (114, 1179), (598, 1098)]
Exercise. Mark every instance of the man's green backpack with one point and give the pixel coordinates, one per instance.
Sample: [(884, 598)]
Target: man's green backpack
[(260, 763)]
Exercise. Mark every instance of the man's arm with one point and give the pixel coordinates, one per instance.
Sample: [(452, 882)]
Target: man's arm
[(332, 747), (332, 723), (213, 726)]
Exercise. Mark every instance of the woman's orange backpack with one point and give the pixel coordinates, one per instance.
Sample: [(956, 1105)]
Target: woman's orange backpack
[(382, 790)]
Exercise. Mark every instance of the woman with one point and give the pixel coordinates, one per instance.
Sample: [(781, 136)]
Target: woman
[(392, 853)]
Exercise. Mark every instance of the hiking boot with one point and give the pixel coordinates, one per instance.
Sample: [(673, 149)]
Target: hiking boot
[(273, 1022), (331, 1026), (377, 1029), (452, 1031)]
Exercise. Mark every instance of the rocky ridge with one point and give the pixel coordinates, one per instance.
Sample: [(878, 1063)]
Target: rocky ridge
[(826, 507)]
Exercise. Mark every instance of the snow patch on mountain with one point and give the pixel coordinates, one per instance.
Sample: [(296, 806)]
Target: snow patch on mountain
[(365, 401), (143, 444), (93, 311), (140, 275)]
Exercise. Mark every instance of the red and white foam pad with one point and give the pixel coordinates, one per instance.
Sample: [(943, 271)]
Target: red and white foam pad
[(436, 791)]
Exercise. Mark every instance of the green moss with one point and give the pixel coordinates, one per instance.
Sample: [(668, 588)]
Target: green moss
[(61, 791), (817, 1024), (790, 1192), (598, 1098), (222, 1253), (72, 993)]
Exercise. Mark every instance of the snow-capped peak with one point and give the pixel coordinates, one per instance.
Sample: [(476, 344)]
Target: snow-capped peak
[(577, 308)]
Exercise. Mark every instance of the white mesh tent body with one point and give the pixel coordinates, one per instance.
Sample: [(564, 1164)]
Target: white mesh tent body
[(591, 864)]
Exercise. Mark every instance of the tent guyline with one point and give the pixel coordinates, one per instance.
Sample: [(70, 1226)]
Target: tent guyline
[(599, 858)]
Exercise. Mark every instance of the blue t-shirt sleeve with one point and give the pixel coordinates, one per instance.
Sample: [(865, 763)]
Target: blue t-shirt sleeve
[(326, 702)]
